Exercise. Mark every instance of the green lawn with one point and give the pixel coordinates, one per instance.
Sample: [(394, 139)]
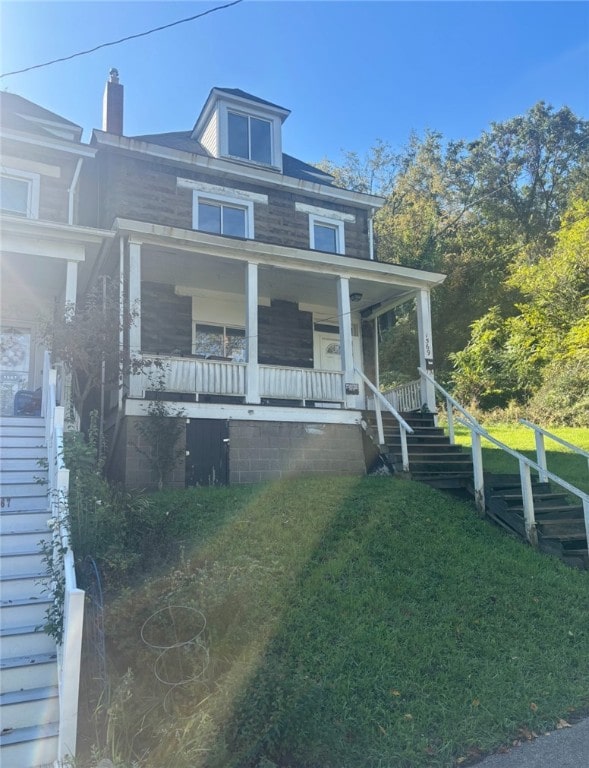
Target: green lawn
[(560, 460), (350, 623)]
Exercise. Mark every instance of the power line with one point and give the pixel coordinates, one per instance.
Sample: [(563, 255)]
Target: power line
[(122, 40)]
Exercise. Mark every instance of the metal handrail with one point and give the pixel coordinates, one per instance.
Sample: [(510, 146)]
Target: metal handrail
[(539, 434), (404, 428)]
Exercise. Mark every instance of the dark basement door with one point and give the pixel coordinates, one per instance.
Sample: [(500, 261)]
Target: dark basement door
[(207, 452)]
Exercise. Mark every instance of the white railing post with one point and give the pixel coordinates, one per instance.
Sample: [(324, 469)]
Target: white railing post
[(586, 517), (528, 503), (69, 678), (541, 456), (379, 425), (478, 474), (450, 415), (404, 449)]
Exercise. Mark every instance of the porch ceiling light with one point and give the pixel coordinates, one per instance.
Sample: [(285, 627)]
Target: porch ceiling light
[(356, 297)]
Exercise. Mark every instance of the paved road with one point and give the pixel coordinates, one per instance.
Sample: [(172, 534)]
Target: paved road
[(567, 748)]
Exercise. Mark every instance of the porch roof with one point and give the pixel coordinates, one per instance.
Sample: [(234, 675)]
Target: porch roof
[(292, 274)]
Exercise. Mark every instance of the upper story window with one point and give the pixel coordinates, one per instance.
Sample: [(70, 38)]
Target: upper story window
[(19, 193), (222, 210), (249, 137), (326, 228)]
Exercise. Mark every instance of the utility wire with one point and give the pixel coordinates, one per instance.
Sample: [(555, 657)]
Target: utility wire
[(122, 40)]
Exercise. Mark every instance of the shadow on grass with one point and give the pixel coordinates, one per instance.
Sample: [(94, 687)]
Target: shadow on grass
[(352, 623)]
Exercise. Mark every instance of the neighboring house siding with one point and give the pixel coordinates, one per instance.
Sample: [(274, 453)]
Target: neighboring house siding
[(148, 191)]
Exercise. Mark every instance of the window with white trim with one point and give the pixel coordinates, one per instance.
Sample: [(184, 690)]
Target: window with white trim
[(249, 137), (219, 341), (19, 193), (221, 215), (326, 234)]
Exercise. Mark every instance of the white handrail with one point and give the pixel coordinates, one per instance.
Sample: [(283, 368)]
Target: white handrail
[(539, 434), (450, 405), (69, 651), (525, 466), (404, 428)]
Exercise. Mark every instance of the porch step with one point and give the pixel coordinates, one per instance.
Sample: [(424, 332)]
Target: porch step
[(20, 562), (19, 612), (28, 707), (15, 641), (13, 520), (30, 671), (23, 585), (17, 746), (30, 539)]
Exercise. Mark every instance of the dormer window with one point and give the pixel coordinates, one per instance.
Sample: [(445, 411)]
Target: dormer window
[(238, 126), (249, 137)]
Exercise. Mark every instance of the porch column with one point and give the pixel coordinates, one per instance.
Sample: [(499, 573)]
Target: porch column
[(135, 297), (426, 354), (252, 379), (71, 284), (135, 387), (345, 336)]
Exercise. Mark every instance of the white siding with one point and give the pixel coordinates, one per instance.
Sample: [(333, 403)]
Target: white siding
[(210, 137)]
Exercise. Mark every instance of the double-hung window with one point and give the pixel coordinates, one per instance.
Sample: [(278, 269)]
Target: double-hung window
[(221, 215), (219, 341), (221, 219), (249, 137), (326, 234), (19, 193)]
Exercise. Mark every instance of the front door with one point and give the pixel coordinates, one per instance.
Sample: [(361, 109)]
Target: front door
[(207, 452), (15, 365)]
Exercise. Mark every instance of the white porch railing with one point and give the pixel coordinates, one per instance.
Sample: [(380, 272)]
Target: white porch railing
[(301, 383), (541, 450), (404, 428), (450, 405), (69, 651), (220, 377), (405, 397)]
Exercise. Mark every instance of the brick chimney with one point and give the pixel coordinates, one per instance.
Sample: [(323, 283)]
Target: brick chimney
[(112, 104)]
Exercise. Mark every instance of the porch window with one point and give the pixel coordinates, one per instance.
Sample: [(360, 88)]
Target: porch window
[(220, 341), (19, 193), (249, 138), (221, 215)]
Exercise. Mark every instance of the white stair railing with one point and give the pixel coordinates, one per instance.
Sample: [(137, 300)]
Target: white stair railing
[(539, 434), (450, 405), (69, 650), (404, 428)]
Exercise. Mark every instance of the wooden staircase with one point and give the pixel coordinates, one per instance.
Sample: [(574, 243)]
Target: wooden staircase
[(29, 703), (432, 459), (560, 523)]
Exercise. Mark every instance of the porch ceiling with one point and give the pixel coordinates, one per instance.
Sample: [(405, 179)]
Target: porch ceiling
[(200, 272)]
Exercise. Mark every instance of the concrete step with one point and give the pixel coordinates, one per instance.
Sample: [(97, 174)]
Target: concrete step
[(18, 746), (30, 707), (23, 519), (18, 641), (26, 672), (19, 612)]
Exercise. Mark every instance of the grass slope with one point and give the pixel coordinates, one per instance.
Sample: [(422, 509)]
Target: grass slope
[(349, 623)]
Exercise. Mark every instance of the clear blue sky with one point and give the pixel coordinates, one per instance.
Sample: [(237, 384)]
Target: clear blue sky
[(351, 72)]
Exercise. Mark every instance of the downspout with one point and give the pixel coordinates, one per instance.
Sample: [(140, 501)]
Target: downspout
[(371, 234), (72, 191)]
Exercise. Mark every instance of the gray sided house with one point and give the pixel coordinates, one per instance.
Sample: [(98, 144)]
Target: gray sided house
[(252, 278)]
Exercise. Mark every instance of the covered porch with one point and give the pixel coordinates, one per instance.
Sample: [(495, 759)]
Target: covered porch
[(237, 322)]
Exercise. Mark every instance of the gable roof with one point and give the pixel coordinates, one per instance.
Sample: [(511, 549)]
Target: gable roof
[(244, 95), (20, 114)]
